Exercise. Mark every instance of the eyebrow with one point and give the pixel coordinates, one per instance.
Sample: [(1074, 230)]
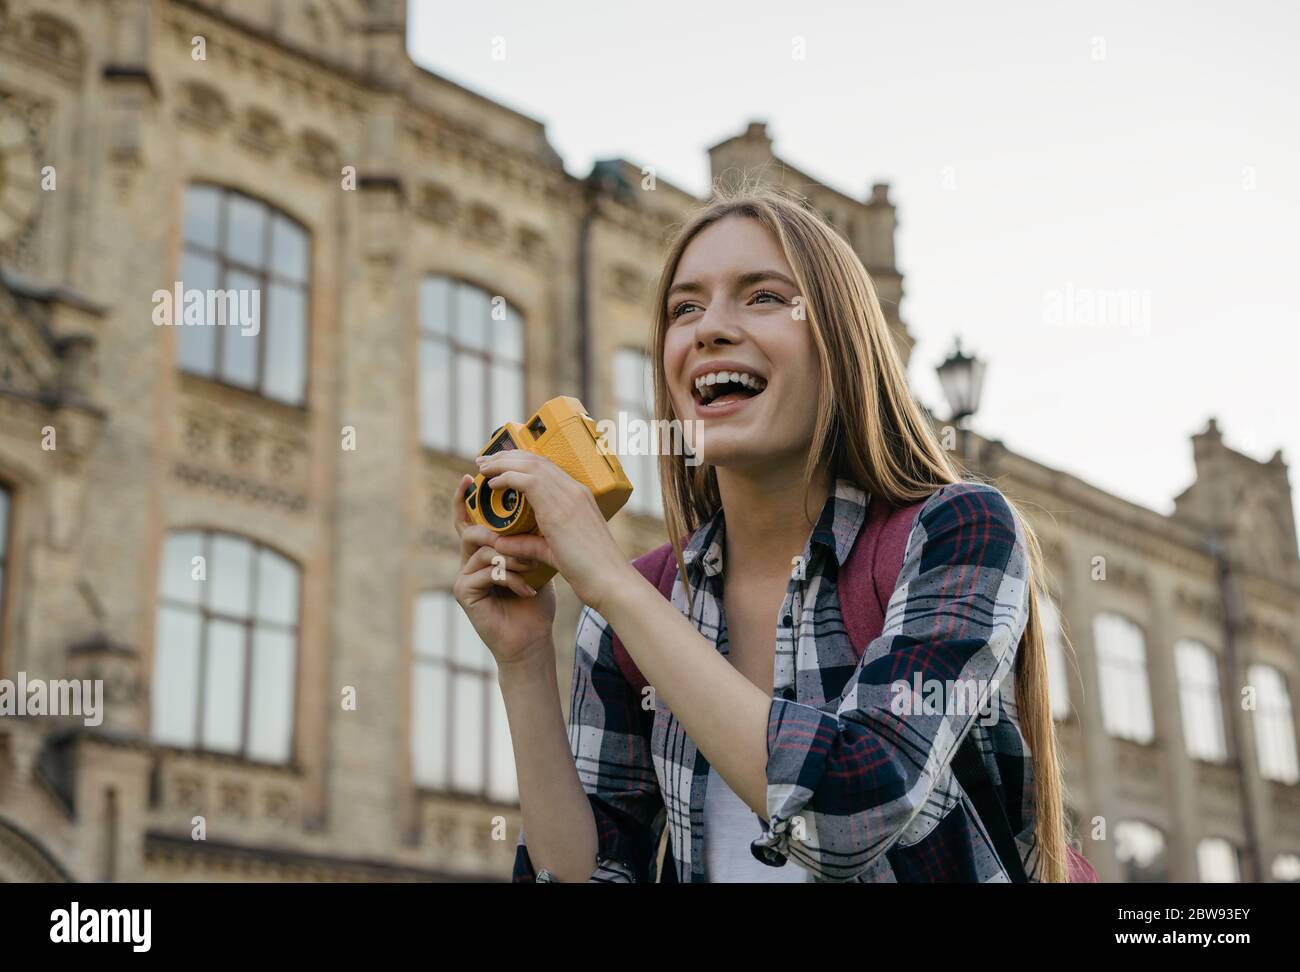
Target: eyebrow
[(743, 280)]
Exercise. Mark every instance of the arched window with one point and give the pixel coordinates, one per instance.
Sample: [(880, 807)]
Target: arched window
[(1058, 676), (460, 737), (225, 649), (1286, 868), (1199, 698), (634, 405), (1140, 849), (471, 365), (1216, 861), (1274, 725), (249, 264), (1125, 692)]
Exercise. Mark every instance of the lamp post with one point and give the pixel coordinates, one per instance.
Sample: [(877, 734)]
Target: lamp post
[(962, 378)]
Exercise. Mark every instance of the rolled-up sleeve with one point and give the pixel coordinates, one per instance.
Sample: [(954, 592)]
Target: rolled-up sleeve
[(846, 781), (609, 734)]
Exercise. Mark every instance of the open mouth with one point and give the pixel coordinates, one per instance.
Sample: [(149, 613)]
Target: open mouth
[(724, 387)]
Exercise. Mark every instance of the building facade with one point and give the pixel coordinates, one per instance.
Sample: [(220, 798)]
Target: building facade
[(243, 530)]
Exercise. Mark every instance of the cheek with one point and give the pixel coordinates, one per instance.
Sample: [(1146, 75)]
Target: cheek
[(802, 385), (674, 358)]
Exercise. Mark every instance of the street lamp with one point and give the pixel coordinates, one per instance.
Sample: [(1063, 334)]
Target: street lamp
[(962, 378)]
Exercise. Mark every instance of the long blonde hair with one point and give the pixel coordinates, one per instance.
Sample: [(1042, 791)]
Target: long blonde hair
[(871, 432)]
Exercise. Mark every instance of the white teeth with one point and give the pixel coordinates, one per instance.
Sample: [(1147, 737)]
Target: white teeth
[(703, 382)]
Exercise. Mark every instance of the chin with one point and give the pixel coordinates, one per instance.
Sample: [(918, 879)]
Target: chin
[(728, 453)]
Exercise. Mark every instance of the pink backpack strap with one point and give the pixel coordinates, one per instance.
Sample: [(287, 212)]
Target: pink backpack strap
[(659, 567), (866, 584), (1080, 871), (867, 579)]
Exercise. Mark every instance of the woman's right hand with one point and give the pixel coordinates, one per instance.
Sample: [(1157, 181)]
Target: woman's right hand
[(512, 620)]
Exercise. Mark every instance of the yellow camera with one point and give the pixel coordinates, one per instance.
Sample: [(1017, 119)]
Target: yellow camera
[(564, 433)]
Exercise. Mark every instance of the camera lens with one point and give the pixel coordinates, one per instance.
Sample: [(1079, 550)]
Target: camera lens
[(500, 510)]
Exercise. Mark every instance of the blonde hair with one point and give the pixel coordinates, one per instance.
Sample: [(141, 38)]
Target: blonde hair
[(871, 432)]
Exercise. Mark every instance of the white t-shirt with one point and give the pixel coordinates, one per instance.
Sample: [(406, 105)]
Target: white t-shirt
[(730, 826)]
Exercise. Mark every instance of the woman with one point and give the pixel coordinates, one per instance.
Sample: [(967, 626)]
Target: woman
[(772, 755)]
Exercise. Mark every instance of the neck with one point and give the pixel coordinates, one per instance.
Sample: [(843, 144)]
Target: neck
[(768, 519)]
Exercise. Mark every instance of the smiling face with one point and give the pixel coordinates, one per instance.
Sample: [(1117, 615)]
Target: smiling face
[(731, 320)]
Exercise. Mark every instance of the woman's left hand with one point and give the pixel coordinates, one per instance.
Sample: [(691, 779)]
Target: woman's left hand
[(576, 540)]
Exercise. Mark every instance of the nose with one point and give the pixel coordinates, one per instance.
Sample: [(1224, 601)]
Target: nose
[(715, 326)]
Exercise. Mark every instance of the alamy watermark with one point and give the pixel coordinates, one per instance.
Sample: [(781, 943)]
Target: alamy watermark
[(223, 308), (953, 696), (130, 926), (631, 435), (57, 697), (1072, 306)]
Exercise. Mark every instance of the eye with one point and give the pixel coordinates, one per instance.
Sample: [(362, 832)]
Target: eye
[(678, 311), (767, 293)]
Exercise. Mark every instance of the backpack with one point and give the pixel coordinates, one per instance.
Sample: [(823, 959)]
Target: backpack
[(866, 584)]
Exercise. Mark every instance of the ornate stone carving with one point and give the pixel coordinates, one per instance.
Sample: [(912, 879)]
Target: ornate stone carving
[(484, 223), (531, 246), (22, 127), (218, 786), (1140, 769), (248, 452), (262, 132), (202, 106), (318, 154), (626, 282), (46, 43), (437, 203)]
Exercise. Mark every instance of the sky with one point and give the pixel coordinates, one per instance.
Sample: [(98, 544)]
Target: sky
[(1102, 200)]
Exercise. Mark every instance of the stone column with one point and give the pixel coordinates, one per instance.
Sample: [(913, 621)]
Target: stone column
[(1078, 606), (1180, 773), (370, 619)]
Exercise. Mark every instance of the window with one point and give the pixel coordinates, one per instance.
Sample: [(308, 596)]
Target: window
[(633, 401), (1274, 725), (1140, 849), (1058, 676), (1198, 695), (243, 256), (226, 647), (461, 740), (1216, 861), (1286, 868), (471, 365), (1125, 695)]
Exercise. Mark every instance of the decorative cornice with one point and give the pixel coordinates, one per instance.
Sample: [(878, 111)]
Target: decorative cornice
[(131, 73), (248, 858)]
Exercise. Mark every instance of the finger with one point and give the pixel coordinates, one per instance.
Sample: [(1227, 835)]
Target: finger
[(514, 583), (488, 580), (520, 460), (514, 479), (482, 557), (527, 546), (477, 535), (498, 558), (459, 515), (473, 537)]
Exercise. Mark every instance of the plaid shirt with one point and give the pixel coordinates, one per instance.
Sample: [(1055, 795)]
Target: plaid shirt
[(859, 788)]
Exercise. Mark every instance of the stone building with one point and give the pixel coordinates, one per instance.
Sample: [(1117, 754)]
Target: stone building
[(243, 530)]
